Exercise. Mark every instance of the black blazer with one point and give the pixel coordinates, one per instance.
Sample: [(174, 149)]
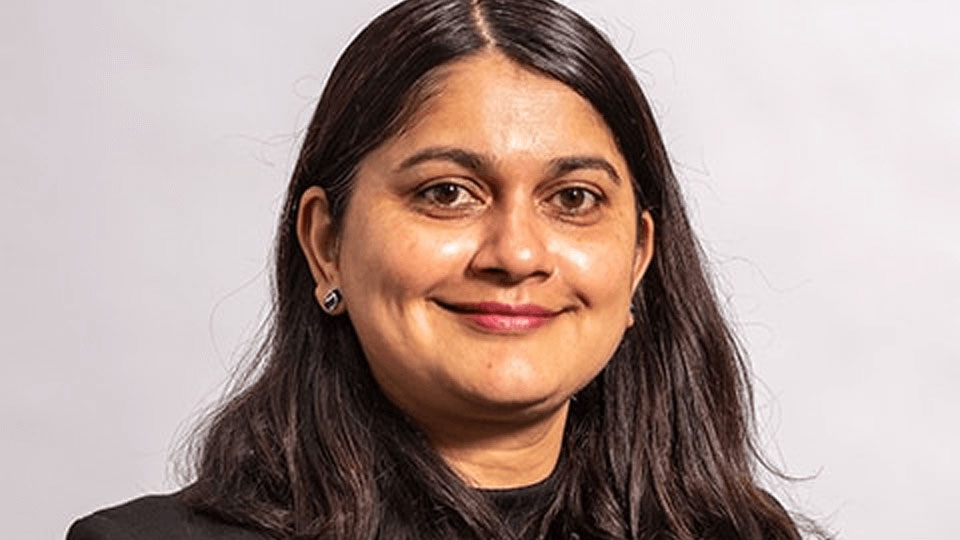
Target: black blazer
[(157, 517)]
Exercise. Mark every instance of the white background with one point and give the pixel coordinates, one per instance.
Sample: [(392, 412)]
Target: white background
[(145, 146)]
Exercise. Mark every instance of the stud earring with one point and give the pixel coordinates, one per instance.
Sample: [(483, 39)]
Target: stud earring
[(332, 301)]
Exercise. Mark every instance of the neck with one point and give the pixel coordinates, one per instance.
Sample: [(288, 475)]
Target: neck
[(497, 455)]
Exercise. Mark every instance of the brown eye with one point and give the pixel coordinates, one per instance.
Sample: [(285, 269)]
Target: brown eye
[(576, 200), (448, 196), (445, 194), (572, 198)]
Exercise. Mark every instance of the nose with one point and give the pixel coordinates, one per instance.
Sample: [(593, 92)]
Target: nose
[(513, 248)]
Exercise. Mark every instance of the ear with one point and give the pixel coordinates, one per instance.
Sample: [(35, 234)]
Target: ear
[(318, 240), (642, 256)]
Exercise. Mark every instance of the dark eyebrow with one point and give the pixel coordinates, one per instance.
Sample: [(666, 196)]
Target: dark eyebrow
[(473, 161), (483, 165), (564, 165)]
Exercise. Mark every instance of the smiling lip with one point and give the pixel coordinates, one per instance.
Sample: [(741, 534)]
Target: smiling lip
[(506, 318)]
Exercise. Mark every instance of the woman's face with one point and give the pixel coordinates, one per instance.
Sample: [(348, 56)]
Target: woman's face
[(488, 254)]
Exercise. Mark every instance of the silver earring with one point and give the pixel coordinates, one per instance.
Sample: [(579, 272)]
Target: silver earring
[(332, 301)]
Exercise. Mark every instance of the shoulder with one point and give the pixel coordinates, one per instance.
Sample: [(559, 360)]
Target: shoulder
[(157, 517)]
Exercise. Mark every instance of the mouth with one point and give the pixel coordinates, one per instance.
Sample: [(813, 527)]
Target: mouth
[(502, 318)]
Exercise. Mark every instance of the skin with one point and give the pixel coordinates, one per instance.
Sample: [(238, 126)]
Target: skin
[(469, 204)]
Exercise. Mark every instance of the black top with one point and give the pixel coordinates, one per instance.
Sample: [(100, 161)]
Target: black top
[(517, 504), (157, 517), (166, 517)]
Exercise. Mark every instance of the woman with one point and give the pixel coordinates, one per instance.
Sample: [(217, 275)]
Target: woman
[(491, 321)]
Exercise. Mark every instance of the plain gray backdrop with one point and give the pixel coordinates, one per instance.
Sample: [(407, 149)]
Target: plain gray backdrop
[(145, 147)]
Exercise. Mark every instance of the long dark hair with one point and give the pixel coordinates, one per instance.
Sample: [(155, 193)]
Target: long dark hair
[(658, 446)]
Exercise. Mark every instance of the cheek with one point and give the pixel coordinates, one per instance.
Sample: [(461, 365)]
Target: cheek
[(391, 259), (598, 268)]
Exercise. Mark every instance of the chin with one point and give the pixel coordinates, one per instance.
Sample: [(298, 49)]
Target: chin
[(513, 392)]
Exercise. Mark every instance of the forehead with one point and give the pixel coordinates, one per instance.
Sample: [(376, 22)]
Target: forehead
[(489, 103)]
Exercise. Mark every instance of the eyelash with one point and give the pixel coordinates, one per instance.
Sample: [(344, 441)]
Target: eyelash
[(428, 196), (595, 198)]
